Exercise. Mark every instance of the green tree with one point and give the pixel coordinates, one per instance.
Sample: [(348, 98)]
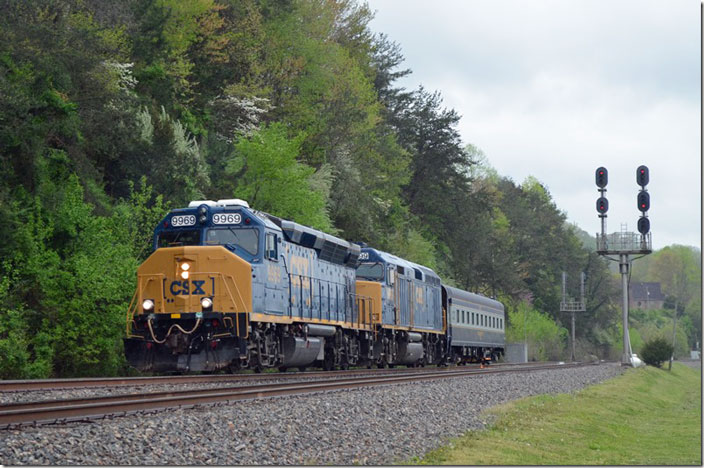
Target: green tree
[(266, 174), (546, 340), (678, 269)]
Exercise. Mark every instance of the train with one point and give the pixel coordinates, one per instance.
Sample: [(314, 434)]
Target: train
[(228, 288)]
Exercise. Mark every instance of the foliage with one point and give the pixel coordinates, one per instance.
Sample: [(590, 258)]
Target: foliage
[(546, 340), (113, 112), (657, 323), (269, 177), (678, 269), (656, 351)]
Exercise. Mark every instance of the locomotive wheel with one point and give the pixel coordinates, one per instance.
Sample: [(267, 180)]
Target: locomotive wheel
[(329, 361)]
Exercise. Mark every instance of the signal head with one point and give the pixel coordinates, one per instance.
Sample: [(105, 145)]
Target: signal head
[(643, 225), (642, 175), (643, 201), (602, 177), (602, 205)]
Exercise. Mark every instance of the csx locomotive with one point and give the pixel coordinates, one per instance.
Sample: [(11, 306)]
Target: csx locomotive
[(229, 287)]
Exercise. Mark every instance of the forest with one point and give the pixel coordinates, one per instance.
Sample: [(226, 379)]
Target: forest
[(112, 113)]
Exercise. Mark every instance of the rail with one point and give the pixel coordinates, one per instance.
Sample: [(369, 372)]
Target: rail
[(61, 411)]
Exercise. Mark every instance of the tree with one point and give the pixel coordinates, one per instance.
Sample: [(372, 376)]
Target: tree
[(266, 174), (679, 273)]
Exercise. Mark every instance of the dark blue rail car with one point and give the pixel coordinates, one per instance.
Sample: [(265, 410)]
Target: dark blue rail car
[(476, 324)]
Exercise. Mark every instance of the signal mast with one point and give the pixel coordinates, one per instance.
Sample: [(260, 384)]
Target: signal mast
[(623, 244)]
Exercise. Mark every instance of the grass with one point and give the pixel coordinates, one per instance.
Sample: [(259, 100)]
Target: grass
[(647, 416)]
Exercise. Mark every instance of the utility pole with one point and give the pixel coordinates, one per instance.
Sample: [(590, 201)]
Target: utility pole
[(570, 305), (674, 335), (623, 244)]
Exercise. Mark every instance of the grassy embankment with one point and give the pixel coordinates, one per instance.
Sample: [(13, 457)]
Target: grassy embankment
[(647, 416)]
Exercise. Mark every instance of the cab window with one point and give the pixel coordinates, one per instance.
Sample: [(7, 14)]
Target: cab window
[(371, 271), (179, 237), (246, 239), (271, 247)]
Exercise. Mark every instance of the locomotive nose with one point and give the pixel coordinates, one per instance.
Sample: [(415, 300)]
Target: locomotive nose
[(193, 279)]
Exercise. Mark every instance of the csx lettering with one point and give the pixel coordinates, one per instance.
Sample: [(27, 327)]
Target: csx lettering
[(183, 288), (198, 287), (419, 295), (300, 265)]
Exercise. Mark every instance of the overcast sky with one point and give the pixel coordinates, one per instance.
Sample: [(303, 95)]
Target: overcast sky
[(555, 89)]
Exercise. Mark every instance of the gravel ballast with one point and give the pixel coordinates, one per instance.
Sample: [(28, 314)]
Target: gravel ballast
[(377, 425)]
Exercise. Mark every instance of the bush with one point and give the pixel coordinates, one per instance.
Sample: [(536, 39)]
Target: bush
[(656, 351), (546, 339)]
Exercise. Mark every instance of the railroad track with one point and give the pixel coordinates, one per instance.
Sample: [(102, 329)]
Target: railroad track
[(62, 411), (55, 384)]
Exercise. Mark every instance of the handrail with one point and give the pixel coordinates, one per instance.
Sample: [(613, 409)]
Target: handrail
[(130, 313), (132, 308)]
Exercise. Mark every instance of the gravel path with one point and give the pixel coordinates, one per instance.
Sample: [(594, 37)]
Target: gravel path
[(369, 426)]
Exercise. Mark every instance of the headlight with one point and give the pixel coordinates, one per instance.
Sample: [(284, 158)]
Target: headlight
[(206, 302), (185, 266), (184, 275), (148, 305)]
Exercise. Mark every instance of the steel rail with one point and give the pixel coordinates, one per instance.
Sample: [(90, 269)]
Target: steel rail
[(54, 384), (15, 415)]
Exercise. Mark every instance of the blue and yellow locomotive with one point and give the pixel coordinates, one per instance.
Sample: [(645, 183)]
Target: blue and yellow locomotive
[(412, 321), (229, 287)]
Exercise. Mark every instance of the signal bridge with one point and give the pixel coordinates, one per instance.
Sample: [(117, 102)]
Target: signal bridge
[(618, 243)]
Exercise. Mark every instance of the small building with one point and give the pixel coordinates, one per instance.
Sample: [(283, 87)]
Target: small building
[(645, 296)]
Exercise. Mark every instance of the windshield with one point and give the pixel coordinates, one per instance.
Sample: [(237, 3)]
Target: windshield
[(372, 271), (180, 237), (247, 239)]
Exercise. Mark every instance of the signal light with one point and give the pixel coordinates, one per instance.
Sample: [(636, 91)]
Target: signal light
[(642, 175), (643, 225), (602, 177), (643, 201), (602, 205)]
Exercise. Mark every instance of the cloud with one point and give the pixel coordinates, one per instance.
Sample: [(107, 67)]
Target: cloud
[(555, 89)]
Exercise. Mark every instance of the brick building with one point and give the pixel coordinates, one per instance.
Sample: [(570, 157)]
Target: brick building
[(645, 296)]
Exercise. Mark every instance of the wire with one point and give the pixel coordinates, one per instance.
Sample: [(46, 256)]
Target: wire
[(168, 332)]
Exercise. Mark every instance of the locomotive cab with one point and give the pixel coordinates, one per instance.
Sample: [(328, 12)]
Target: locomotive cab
[(231, 287), (194, 292)]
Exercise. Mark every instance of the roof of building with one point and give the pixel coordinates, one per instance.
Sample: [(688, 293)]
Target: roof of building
[(646, 292)]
